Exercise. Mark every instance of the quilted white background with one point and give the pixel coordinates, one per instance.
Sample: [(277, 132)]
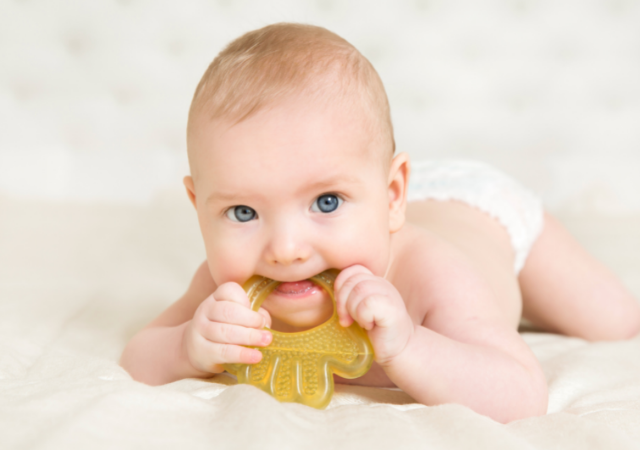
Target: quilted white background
[(94, 94)]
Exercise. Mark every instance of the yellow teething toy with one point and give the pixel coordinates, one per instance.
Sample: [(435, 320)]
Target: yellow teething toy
[(299, 367)]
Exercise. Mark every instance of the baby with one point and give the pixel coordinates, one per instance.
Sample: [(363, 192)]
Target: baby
[(293, 172)]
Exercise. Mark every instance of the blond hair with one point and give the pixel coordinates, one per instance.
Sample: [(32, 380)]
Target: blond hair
[(264, 66)]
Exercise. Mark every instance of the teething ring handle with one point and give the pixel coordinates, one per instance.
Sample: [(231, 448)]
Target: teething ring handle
[(258, 288), (299, 367)]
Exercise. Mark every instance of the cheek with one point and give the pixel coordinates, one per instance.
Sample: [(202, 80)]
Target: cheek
[(229, 259), (364, 241), (222, 265)]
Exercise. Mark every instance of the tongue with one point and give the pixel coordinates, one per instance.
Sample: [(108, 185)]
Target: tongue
[(294, 287)]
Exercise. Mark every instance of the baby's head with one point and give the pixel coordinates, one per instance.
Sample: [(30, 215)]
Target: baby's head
[(291, 154)]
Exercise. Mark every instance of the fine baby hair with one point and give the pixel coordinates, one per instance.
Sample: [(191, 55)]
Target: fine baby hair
[(284, 60)]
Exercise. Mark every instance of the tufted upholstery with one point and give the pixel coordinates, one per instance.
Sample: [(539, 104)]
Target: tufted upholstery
[(94, 94)]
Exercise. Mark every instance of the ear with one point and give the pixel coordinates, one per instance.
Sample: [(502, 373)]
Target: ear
[(191, 189), (398, 182)]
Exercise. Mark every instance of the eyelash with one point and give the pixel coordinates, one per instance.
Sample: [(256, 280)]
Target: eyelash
[(339, 197), (232, 211)]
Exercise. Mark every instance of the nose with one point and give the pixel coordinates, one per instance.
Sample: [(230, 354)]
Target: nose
[(287, 245)]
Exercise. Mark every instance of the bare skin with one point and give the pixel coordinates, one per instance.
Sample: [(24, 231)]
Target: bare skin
[(436, 292)]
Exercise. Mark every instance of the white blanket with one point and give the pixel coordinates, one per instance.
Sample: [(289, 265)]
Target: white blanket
[(77, 282)]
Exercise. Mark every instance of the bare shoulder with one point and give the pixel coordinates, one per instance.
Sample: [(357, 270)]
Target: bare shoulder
[(440, 283), (202, 285)]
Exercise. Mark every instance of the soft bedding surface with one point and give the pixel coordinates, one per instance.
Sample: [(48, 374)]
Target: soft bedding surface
[(78, 281)]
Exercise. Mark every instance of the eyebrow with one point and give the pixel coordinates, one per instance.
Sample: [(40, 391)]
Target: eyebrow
[(333, 181), (221, 196), (322, 184)]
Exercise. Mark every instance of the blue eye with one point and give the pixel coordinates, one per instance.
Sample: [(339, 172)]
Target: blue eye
[(326, 203), (241, 213)]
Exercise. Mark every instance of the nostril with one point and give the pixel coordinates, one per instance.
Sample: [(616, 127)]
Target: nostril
[(286, 246), (287, 260)]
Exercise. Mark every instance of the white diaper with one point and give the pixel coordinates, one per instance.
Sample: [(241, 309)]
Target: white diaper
[(486, 188)]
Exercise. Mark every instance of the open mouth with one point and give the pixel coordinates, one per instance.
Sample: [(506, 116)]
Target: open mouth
[(296, 287)]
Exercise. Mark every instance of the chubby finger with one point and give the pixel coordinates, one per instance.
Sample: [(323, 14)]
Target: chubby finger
[(236, 354), (371, 311), (348, 273), (264, 313), (353, 302), (367, 290), (351, 290), (224, 333), (209, 356), (338, 288), (233, 313), (232, 292)]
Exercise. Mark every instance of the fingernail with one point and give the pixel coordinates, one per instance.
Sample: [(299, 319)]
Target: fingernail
[(266, 337)]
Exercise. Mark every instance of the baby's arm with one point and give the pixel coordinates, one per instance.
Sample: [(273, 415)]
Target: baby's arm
[(479, 364), (463, 351), (195, 335)]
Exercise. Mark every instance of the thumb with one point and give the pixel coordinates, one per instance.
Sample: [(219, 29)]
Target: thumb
[(232, 292), (267, 317)]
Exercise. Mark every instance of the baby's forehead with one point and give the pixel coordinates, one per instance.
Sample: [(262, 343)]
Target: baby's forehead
[(294, 131), (265, 155), (281, 61)]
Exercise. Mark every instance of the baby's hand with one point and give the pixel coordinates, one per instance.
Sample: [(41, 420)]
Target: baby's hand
[(377, 306), (221, 325)]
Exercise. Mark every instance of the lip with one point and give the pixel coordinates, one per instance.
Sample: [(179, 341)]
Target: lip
[(297, 289)]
